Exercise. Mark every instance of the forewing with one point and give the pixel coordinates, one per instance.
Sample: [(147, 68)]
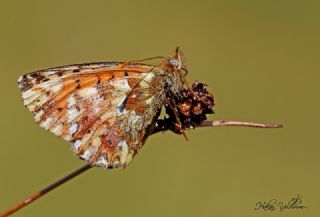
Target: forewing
[(105, 110)]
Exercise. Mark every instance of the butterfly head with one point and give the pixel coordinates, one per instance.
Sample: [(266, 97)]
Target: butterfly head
[(177, 62)]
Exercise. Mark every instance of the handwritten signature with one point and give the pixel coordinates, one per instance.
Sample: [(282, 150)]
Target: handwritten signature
[(274, 204)]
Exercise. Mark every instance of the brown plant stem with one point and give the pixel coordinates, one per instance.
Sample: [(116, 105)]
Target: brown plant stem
[(218, 123)]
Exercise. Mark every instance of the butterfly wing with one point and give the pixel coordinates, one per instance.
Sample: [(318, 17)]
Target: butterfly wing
[(106, 110)]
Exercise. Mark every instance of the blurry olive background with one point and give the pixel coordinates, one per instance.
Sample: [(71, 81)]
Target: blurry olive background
[(261, 61)]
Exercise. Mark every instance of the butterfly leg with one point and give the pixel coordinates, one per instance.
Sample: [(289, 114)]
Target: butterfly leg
[(172, 122), (172, 111), (162, 125)]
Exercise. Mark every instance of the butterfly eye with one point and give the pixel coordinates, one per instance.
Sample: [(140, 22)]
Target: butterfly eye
[(174, 62)]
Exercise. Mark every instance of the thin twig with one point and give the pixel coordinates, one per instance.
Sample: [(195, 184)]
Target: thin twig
[(44, 191), (218, 123)]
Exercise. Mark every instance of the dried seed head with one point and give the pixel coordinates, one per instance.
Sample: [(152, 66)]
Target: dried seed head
[(194, 104)]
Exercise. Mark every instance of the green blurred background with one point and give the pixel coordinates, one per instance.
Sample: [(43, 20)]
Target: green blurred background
[(260, 59)]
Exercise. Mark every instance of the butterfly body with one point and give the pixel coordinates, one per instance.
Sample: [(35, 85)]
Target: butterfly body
[(106, 110)]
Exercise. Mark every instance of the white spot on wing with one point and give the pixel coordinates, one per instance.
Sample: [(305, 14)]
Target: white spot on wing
[(30, 96), (124, 151), (71, 101), (51, 72), (39, 115), (72, 114), (76, 144), (87, 92), (20, 79), (101, 162), (96, 142), (87, 154), (47, 122), (73, 128), (149, 77), (120, 84), (57, 129), (55, 88), (145, 83), (27, 93)]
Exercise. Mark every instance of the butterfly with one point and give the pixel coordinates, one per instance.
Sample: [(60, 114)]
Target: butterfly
[(106, 110)]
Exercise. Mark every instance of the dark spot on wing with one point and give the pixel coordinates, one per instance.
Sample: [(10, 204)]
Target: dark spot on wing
[(109, 142), (25, 84), (34, 75), (38, 77)]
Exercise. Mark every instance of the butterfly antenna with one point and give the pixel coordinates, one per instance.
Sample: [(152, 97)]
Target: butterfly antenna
[(142, 60), (45, 190), (151, 58), (218, 123)]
